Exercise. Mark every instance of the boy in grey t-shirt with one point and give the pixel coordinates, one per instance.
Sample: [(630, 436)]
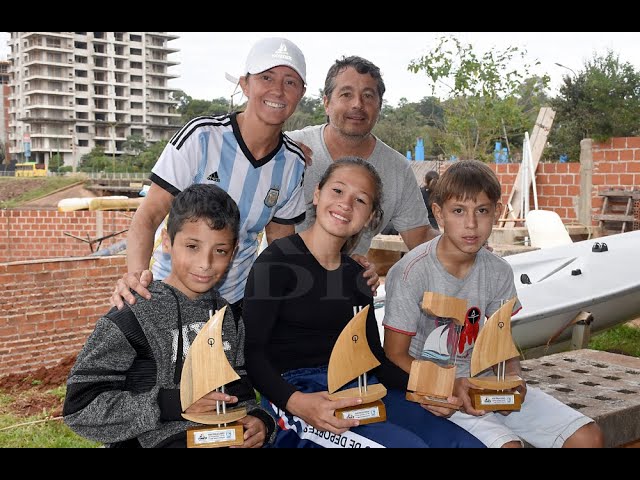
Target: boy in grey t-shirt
[(466, 204)]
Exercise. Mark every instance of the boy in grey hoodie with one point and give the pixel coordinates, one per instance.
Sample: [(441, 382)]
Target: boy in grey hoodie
[(124, 389)]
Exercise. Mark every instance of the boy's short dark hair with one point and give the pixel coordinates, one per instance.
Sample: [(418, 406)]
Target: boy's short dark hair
[(204, 202), (466, 179)]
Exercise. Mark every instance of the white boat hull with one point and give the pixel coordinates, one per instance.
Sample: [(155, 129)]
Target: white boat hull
[(608, 286)]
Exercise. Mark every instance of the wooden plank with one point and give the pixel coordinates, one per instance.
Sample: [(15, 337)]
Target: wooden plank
[(538, 141), (621, 194), (628, 211), (608, 217), (394, 243), (605, 207)]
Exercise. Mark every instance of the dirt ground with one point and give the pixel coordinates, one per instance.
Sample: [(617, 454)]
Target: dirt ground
[(11, 188), (51, 201), (30, 392)]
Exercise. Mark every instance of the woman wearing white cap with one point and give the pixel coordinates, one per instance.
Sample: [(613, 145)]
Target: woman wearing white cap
[(247, 155)]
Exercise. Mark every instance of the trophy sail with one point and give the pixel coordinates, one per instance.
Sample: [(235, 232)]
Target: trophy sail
[(493, 347), (351, 355), (206, 369), (351, 358), (494, 343)]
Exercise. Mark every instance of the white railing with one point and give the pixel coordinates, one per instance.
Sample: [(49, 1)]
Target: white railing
[(92, 175), (116, 175)]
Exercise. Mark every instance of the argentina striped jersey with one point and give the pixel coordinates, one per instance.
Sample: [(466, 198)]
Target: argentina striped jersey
[(211, 150)]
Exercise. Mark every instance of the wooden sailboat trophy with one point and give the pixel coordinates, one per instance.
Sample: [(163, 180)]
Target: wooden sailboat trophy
[(493, 347), (206, 369), (352, 358), (432, 377)]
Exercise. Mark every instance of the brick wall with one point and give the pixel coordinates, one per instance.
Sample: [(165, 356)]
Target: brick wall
[(28, 234), (48, 308), (616, 165), (557, 184)]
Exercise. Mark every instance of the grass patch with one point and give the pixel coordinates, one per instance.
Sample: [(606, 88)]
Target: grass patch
[(5, 400), (49, 434), (33, 188), (621, 339), (59, 392), (37, 431)]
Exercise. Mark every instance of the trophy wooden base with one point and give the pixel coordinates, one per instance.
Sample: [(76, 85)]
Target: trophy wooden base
[(431, 384), (218, 429), (428, 399), (372, 412), (214, 437), (493, 400)]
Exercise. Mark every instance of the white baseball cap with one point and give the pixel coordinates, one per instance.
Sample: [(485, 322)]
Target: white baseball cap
[(275, 52)]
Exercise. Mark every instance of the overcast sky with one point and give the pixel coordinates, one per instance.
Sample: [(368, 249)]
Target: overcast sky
[(206, 56)]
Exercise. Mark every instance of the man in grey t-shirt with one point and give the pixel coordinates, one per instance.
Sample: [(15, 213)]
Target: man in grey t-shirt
[(352, 100)]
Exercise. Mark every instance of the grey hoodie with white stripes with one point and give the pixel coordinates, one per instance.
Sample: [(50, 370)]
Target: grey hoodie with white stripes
[(124, 386)]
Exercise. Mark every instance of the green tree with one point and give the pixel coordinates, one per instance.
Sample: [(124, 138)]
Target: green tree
[(431, 110), (190, 108), (310, 111), (483, 93), (147, 159), (134, 144), (600, 102), (400, 127), (55, 162), (95, 161)]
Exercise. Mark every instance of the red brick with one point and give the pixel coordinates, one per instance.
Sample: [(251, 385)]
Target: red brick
[(611, 155), (566, 202), (560, 190), (555, 178), (633, 142), (626, 155), (619, 142), (603, 167), (612, 180), (562, 213)]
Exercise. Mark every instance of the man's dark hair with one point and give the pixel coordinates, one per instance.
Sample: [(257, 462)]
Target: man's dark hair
[(361, 66), (204, 202)]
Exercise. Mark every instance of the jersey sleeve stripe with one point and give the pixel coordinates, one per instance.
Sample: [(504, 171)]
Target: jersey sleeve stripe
[(188, 130), (293, 147), (289, 221), (164, 184)]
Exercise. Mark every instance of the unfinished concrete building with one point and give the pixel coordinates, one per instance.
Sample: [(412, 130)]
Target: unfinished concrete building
[(4, 111), (73, 91)]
